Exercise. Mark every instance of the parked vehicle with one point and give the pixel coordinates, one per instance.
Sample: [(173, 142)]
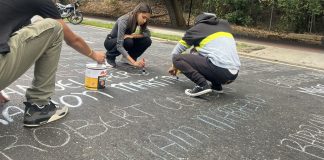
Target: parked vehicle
[(71, 12)]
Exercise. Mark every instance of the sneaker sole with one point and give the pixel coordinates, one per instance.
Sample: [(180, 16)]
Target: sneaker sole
[(58, 115), (197, 94), (219, 92)]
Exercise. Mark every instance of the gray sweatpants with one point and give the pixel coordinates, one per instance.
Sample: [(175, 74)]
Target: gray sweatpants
[(39, 43)]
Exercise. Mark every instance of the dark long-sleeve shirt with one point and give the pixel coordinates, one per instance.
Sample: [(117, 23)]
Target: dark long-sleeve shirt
[(120, 29)]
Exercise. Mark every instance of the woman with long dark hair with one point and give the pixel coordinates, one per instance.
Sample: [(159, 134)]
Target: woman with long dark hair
[(123, 40)]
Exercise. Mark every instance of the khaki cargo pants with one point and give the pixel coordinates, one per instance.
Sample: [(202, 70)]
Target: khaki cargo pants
[(40, 44)]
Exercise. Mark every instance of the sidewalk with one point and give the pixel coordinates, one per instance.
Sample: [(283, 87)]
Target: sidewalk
[(292, 55)]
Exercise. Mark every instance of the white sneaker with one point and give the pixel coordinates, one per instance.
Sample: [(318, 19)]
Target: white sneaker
[(198, 91)]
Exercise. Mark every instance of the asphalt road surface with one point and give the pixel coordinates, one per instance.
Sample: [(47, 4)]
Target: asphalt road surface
[(272, 111)]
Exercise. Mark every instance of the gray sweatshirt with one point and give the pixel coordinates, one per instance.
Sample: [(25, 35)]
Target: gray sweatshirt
[(121, 28), (212, 38)]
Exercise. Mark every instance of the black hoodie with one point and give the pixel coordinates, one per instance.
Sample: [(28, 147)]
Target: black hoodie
[(205, 25)]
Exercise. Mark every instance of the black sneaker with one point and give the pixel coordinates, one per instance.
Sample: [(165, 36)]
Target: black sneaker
[(217, 89), (36, 115), (111, 60), (197, 91)]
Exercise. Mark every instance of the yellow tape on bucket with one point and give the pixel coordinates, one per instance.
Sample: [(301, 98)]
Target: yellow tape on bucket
[(95, 76)]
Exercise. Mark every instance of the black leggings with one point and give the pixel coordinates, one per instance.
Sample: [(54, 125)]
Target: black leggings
[(199, 69), (134, 46)]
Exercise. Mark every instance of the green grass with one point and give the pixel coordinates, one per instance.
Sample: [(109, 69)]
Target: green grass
[(98, 24), (111, 25), (240, 46)]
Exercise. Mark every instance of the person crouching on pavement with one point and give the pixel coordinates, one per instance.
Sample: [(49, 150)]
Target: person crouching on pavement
[(123, 40), (214, 57), (24, 44)]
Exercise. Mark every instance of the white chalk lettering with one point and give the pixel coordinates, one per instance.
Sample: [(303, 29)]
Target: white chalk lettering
[(85, 129), (11, 91), (63, 137), (130, 113), (317, 90), (86, 93), (8, 116), (309, 140), (114, 123), (76, 98)]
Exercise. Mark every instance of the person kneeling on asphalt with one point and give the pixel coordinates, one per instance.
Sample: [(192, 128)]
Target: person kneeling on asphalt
[(23, 44), (214, 57)]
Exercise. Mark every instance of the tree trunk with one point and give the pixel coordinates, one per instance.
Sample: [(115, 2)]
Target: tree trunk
[(175, 13)]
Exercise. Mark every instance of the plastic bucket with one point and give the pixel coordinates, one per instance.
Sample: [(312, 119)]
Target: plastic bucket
[(95, 76)]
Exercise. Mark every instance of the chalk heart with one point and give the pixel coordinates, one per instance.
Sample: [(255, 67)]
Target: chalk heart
[(6, 141)]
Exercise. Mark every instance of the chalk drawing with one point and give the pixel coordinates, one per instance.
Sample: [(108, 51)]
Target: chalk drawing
[(12, 140), (76, 99), (114, 123), (226, 117), (65, 74), (10, 91), (25, 77), (5, 156), (155, 151), (173, 144), (253, 68), (64, 65), (142, 84), (116, 153), (80, 71), (276, 83), (317, 90), (68, 85), (292, 80), (173, 103), (183, 134), (310, 139), (78, 83), (8, 116), (62, 134), (168, 145), (86, 93), (131, 113), (85, 129)]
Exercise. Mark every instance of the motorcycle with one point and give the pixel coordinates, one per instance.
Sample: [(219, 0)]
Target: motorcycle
[(70, 12)]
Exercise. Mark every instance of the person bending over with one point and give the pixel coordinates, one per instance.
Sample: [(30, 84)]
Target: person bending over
[(23, 44), (213, 58)]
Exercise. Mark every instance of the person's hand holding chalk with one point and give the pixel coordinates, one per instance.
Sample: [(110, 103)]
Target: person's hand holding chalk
[(139, 63), (173, 71)]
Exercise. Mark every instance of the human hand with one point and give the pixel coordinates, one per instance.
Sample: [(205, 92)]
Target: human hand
[(99, 56), (128, 36), (173, 71), (140, 63)]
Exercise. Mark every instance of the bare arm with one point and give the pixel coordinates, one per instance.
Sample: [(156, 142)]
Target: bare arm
[(77, 43), (134, 35)]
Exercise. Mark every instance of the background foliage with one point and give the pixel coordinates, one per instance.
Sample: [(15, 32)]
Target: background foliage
[(297, 16)]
